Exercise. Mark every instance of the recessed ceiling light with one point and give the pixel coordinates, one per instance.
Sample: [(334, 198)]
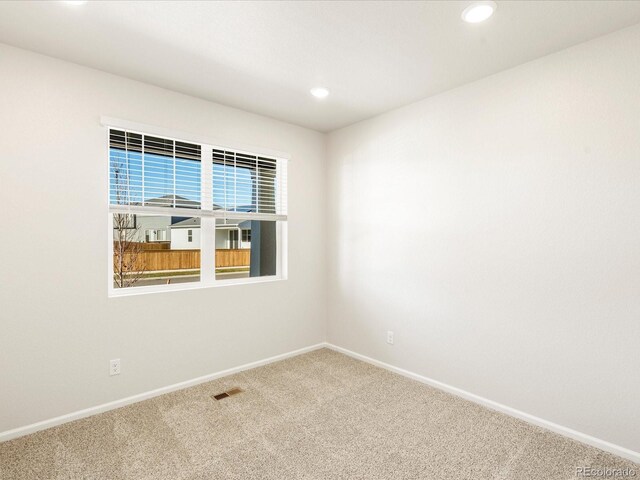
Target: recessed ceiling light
[(479, 11), (319, 92)]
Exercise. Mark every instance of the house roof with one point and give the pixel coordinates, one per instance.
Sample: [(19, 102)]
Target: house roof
[(186, 223), (195, 223), (183, 202), (170, 200)]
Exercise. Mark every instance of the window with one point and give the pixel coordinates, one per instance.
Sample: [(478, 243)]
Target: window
[(191, 213), (153, 235)]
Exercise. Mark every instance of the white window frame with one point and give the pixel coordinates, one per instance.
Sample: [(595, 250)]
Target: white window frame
[(206, 213)]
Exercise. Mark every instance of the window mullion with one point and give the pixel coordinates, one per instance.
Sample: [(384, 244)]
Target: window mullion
[(206, 178), (207, 224), (142, 162)]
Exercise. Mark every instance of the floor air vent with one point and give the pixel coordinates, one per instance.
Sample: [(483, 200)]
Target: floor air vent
[(228, 393)]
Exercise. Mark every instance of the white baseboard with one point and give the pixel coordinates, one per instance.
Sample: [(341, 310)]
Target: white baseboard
[(87, 412), (554, 427)]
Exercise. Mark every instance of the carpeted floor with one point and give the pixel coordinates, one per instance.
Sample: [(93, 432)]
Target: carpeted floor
[(321, 415)]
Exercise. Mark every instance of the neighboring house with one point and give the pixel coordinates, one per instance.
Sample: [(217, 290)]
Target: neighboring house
[(185, 234), (171, 200), (148, 229), (153, 229), (156, 228), (233, 235)]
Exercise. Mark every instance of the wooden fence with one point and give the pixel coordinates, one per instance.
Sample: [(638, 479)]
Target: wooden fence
[(233, 257), (158, 260), (154, 245)]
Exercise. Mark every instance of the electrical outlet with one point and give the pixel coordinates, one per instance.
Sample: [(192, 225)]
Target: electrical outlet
[(114, 367), (389, 337)]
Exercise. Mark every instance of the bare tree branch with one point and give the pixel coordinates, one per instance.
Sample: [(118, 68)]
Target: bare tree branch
[(128, 263)]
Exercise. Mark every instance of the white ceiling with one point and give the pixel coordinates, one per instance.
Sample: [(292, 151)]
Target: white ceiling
[(265, 56)]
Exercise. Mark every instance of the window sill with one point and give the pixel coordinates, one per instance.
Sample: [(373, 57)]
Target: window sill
[(131, 291)]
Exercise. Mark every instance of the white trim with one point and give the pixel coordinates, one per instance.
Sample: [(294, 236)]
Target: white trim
[(282, 251), (110, 266), (206, 177), (177, 287), (87, 412), (189, 137), (208, 251), (485, 402), (554, 427), (206, 213), (109, 216), (194, 212)]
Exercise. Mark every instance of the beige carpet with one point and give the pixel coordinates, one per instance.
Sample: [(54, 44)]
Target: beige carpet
[(321, 415)]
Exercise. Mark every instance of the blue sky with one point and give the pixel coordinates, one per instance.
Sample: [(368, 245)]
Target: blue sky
[(232, 187)]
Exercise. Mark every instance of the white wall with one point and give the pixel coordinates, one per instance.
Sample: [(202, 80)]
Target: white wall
[(517, 273), (58, 329)]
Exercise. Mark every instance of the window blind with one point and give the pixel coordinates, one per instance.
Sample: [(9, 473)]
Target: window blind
[(148, 170), (153, 171), (248, 183)]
